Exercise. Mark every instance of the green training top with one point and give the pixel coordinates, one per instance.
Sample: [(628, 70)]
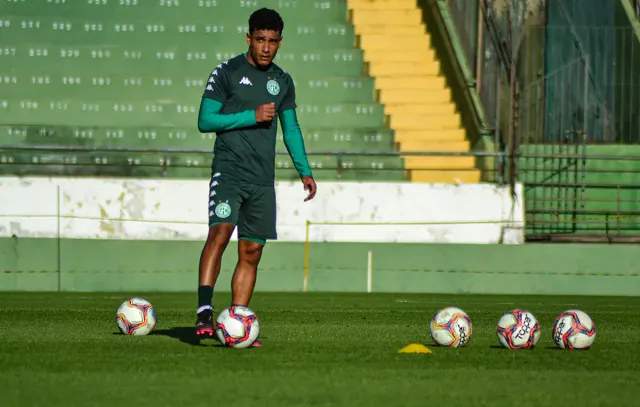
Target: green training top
[(244, 150)]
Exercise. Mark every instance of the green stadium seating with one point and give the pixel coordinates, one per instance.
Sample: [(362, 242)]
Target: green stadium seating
[(191, 10), (169, 32), (113, 75), (23, 85), (75, 60), (156, 112), (355, 139), (185, 165)]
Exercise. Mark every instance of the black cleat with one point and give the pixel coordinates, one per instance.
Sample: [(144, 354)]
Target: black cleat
[(204, 324)]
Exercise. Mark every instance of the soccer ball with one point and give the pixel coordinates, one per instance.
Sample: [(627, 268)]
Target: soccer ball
[(518, 329), (451, 327), (237, 327), (574, 329), (136, 316)]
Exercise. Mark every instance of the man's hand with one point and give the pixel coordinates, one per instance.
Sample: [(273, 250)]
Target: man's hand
[(309, 185), (265, 113)]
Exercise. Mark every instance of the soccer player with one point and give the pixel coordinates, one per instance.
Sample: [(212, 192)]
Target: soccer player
[(243, 99)]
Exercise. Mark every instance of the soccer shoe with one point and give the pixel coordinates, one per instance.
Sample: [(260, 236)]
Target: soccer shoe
[(204, 324), (257, 344)]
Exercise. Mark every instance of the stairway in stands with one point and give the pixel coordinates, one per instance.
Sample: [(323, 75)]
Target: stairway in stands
[(412, 88), (130, 75)]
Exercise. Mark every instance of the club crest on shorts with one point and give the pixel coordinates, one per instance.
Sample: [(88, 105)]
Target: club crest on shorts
[(273, 87), (223, 210)]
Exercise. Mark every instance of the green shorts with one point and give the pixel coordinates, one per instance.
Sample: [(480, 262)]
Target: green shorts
[(252, 208)]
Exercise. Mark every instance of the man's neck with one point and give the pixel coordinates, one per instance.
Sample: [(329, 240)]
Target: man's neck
[(249, 58)]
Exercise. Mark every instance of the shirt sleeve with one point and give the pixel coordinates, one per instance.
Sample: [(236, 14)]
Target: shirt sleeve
[(217, 87), (289, 99), (294, 142), (210, 119)]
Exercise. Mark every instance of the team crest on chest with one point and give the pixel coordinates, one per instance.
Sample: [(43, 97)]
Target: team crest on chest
[(273, 87)]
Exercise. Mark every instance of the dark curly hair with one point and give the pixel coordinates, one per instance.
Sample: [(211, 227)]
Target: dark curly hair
[(265, 19)]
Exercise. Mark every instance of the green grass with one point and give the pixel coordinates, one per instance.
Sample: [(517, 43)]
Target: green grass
[(320, 350)]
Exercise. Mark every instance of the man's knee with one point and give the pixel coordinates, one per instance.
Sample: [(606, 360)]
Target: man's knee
[(249, 250)]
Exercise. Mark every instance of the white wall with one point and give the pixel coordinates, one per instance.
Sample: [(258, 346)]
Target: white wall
[(178, 209)]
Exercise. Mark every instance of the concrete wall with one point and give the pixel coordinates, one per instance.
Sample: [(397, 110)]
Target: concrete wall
[(177, 210)]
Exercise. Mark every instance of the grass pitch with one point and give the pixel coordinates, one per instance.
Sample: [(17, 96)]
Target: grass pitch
[(320, 350)]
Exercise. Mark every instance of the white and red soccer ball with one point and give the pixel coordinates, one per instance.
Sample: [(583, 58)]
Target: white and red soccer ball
[(451, 327), (136, 316), (518, 329), (237, 327), (574, 329)]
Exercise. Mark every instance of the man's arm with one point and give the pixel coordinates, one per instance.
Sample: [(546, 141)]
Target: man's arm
[(293, 139), (210, 119), (294, 142)]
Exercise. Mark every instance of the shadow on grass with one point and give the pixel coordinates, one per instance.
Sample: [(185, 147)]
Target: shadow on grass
[(187, 334)]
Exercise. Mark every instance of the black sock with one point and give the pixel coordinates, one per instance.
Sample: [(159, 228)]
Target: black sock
[(205, 296)]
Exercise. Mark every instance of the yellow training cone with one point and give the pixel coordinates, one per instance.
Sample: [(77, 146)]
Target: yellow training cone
[(415, 348)]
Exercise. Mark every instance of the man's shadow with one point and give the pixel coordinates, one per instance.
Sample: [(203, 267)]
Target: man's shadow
[(187, 334)]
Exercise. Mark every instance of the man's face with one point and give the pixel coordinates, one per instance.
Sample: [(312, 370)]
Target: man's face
[(263, 46)]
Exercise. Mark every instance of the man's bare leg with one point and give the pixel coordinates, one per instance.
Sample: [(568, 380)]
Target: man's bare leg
[(245, 274), (210, 263)]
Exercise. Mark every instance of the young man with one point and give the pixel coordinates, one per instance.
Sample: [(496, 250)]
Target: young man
[(241, 103)]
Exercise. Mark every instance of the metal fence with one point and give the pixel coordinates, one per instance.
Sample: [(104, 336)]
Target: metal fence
[(560, 82), (541, 38)]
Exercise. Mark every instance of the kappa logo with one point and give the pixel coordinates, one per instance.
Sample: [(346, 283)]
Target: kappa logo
[(245, 81), (214, 183), (209, 82)]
